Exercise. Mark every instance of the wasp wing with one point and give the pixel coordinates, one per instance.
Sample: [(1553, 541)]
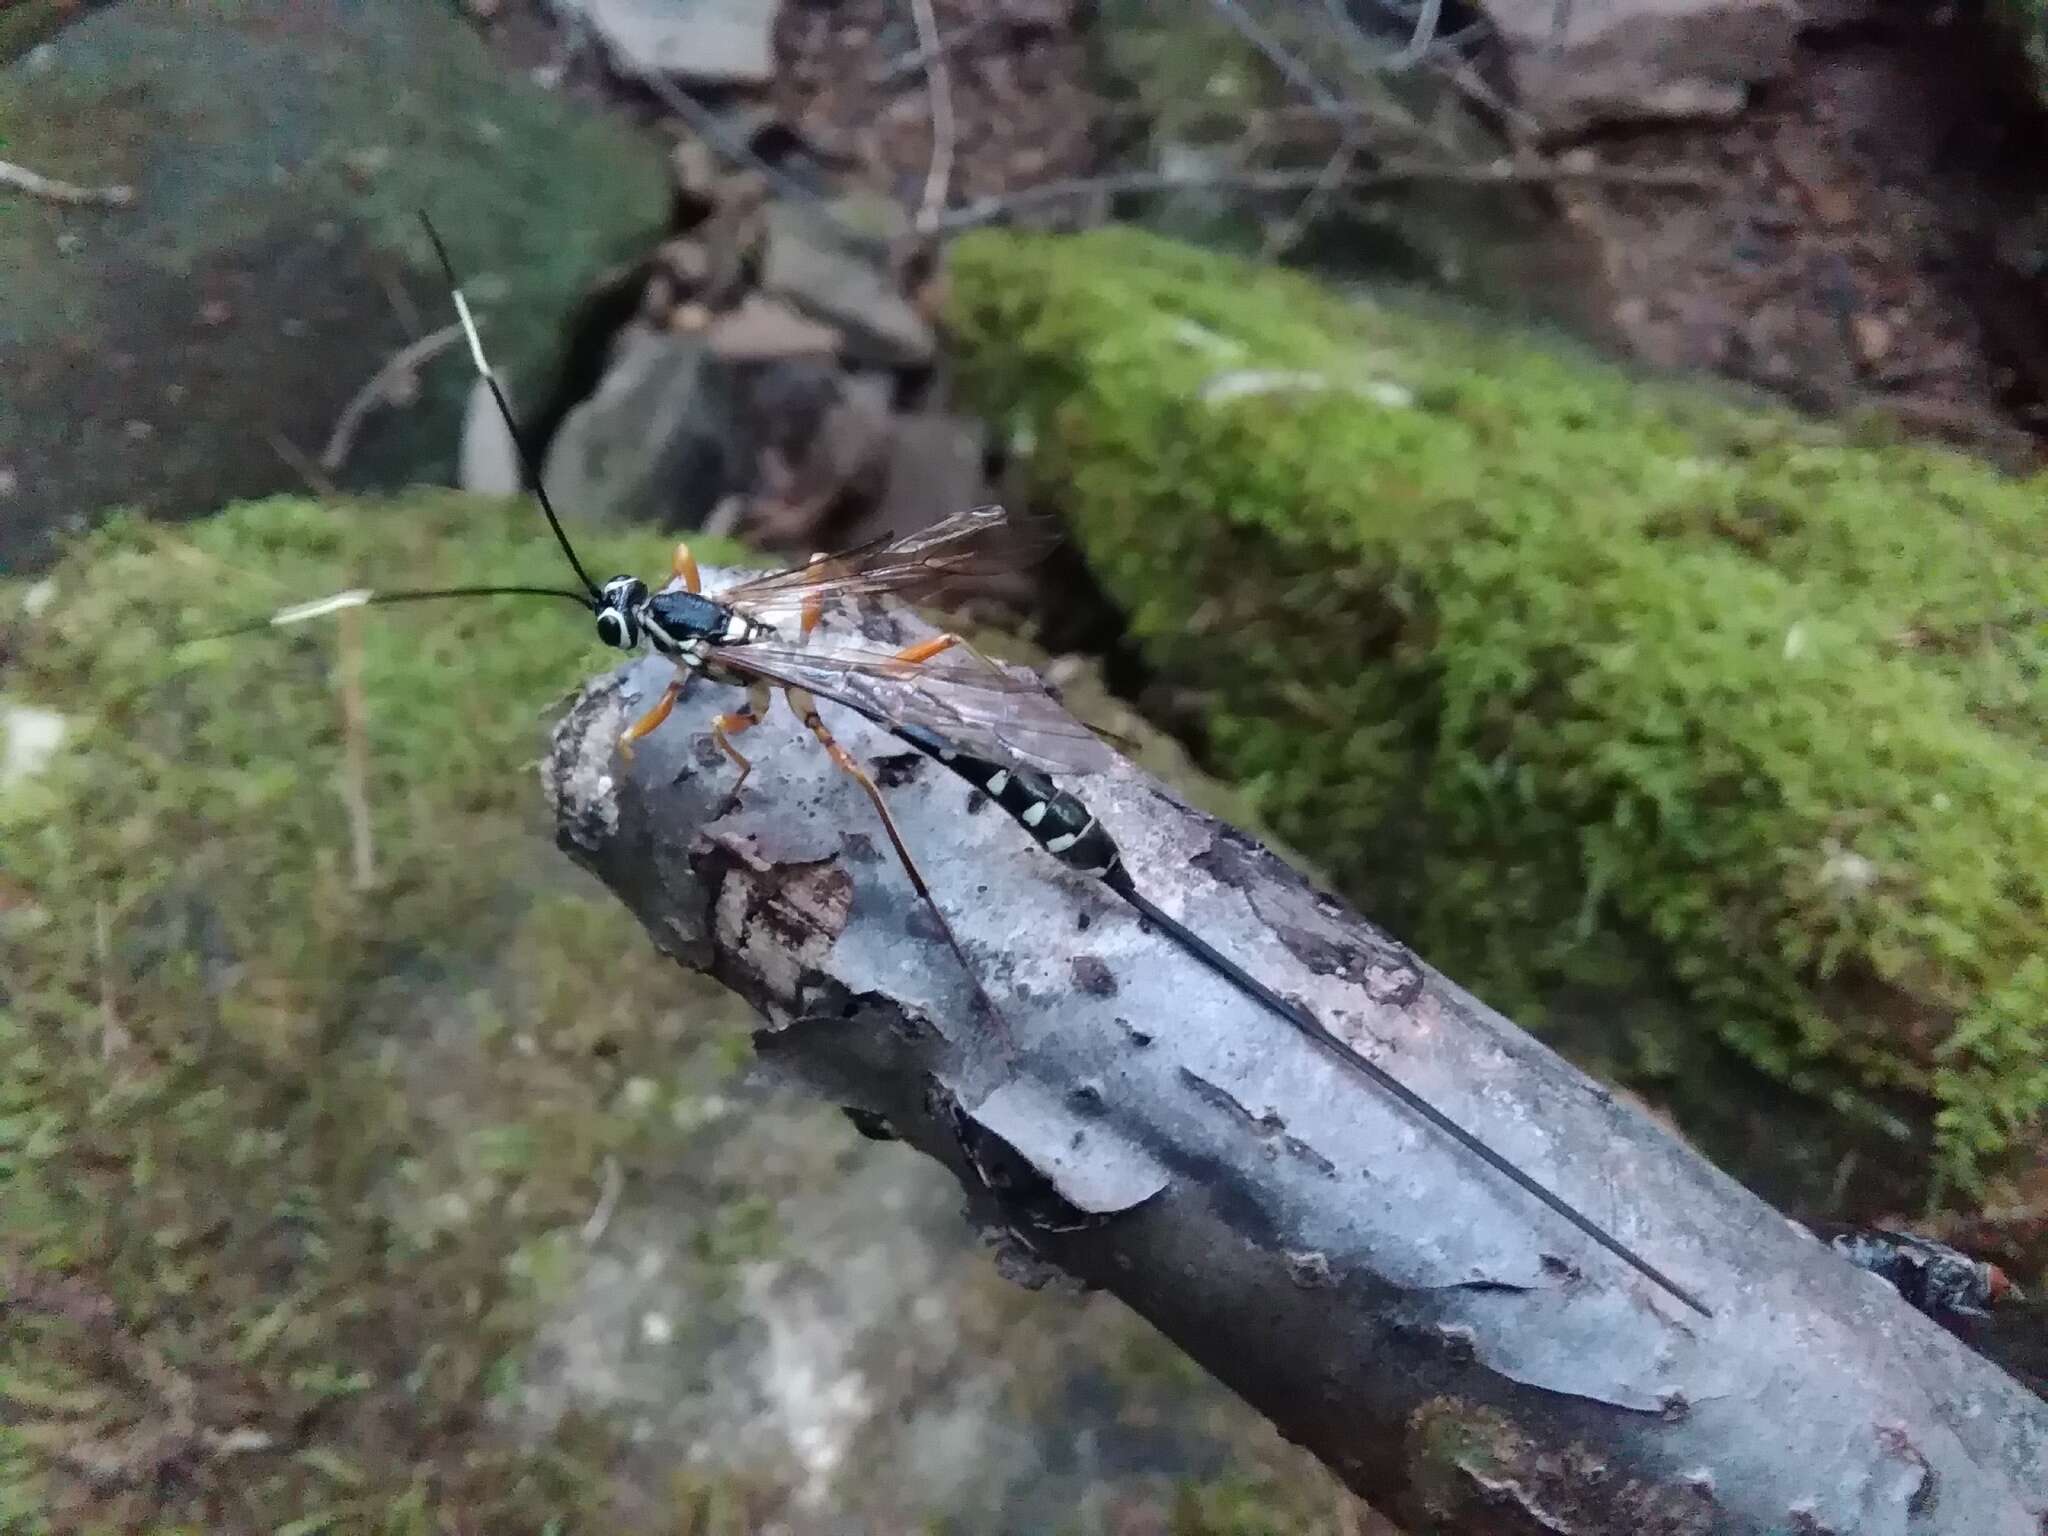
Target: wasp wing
[(968, 546), (977, 706)]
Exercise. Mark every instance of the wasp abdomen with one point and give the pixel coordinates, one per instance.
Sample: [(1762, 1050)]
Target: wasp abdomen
[(1057, 821)]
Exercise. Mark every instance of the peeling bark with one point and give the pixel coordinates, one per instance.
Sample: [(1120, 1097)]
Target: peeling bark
[(1459, 1356)]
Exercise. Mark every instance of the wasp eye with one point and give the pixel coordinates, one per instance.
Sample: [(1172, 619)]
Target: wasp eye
[(612, 628)]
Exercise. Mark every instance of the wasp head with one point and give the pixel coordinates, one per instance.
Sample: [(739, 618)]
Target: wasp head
[(618, 616)]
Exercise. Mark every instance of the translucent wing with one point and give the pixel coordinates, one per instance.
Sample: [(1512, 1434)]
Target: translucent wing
[(960, 695), (968, 546)]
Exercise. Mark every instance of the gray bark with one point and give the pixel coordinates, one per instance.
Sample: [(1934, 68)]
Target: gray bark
[(1460, 1357)]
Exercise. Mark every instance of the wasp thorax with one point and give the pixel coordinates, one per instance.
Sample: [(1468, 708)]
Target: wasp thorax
[(618, 620)]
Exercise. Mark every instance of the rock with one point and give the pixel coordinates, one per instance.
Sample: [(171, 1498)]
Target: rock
[(1873, 338), (1620, 61), (270, 263), (489, 461), (848, 282), (762, 329), (693, 181), (659, 440), (714, 42), (935, 468), (825, 438)]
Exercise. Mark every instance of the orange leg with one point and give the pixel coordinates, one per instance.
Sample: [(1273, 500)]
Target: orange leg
[(650, 722), (727, 726), (814, 607), (925, 650), (806, 709), (685, 567)]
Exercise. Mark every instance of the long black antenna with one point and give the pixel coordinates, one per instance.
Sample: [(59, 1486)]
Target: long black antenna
[(530, 469), (364, 597)]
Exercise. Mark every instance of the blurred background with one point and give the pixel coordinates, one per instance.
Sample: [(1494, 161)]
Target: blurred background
[(1574, 469)]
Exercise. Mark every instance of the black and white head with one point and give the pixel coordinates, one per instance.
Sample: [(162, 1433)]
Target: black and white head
[(618, 611)]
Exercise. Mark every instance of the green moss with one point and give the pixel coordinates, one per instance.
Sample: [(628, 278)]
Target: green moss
[(1555, 667), (280, 1158), (1243, 1506)]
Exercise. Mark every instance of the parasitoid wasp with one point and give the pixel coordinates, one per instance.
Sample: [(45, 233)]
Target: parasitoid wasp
[(1000, 732)]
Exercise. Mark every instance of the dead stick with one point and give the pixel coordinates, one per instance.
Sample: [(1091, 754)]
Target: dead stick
[(1384, 176), (300, 465), (938, 77), (918, 59), (355, 778), (1283, 237), (51, 190), (1458, 1358), (382, 389)]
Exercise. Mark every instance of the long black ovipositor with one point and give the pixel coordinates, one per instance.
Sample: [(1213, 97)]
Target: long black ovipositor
[(1061, 823)]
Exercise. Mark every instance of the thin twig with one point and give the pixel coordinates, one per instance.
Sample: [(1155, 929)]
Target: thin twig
[(355, 776), (919, 58), (1386, 174), (1364, 50), (938, 78), (1296, 72), (1471, 85), (300, 465), (607, 1201), (384, 388), (401, 302), (1285, 235), (51, 190), (1425, 33), (707, 125), (1299, 122), (1371, 56)]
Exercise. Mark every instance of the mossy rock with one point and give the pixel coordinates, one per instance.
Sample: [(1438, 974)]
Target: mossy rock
[(1560, 671), (200, 343)]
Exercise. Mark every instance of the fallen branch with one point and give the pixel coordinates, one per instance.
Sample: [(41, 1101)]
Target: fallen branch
[(387, 386), (938, 78), (1385, 175), (51, 190), (1458, 1356)]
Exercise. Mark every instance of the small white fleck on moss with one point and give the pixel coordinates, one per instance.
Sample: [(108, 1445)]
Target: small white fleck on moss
[(29, 738)]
